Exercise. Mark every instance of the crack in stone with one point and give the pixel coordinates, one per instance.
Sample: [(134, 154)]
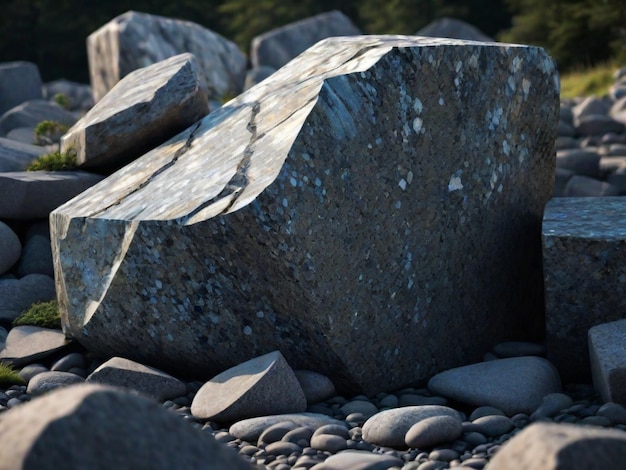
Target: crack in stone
[(186, 146), (239, 180)]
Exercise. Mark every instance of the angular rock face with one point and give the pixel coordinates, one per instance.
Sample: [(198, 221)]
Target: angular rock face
[(584, 269), (361, 210), (143, 110), (134, 40)]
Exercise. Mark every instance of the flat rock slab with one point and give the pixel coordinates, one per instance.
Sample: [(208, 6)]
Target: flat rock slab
[(143, 110), (608, 360), (277, 47), (27, 344), (95, 426), (34, 194), (584, 263), (513, 385), (264, 385), (551, 446), (341, 211), (134, 40)]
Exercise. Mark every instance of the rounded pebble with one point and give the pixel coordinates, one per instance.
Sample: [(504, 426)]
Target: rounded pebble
[(485, 411), (493, 425), (333, 429), (276, 432), (445, 455), (433, 431), (329, 442), (366, 408), (282, 448), (615, 412)]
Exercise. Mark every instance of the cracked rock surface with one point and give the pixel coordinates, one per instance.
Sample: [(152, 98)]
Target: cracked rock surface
[(371, 197)]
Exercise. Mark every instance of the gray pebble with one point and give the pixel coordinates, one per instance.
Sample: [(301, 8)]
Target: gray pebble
[(275, 432), (614, 412), (47, 381), (433, 431), (445, 455), (298, 435), (329, 442), (354, 459), (432, 465), (68, 362), (333, 429), (493, 426), (485, 411), (282, 448), (474, 438), (551, 405), (389, 401), (597, 421), (366, 408), (13, 402)]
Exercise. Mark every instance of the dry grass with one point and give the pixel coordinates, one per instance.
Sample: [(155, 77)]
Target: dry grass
[(593, 81)]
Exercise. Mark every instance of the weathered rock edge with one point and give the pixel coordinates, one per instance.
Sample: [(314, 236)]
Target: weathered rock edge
[(225, 243)]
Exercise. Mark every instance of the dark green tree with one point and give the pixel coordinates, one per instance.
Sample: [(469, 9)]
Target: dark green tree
[(575, 32)]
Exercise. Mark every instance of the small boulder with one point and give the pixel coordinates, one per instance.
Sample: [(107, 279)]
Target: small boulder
[(122, 372), (100, 427), (513, 385), (549, 446), (261, 386), (143, 110)]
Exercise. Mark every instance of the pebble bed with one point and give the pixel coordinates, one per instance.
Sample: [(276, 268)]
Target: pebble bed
[(283, 446)]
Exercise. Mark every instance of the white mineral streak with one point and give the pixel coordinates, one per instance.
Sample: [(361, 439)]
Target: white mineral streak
[(455, 183)]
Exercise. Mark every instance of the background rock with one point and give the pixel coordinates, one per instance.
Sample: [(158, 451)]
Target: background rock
[(119, 47), (277, 47)]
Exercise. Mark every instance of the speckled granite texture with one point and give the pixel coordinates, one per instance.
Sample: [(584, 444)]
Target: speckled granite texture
[(372, 210), (584, 258)]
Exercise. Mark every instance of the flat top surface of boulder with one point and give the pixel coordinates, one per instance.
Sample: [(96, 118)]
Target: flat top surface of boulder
[(596, 218), (126, 195)]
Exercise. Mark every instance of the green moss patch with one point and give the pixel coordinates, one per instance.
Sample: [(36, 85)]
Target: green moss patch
[(44, 314), (9, 376), (55, 161)]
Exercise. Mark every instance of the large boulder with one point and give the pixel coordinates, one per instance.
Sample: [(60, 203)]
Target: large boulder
[(342, 211), (134, 40), (143, 110), (277, 47)]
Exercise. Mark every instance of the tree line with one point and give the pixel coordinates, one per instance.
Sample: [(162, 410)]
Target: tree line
[(576, 32)]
